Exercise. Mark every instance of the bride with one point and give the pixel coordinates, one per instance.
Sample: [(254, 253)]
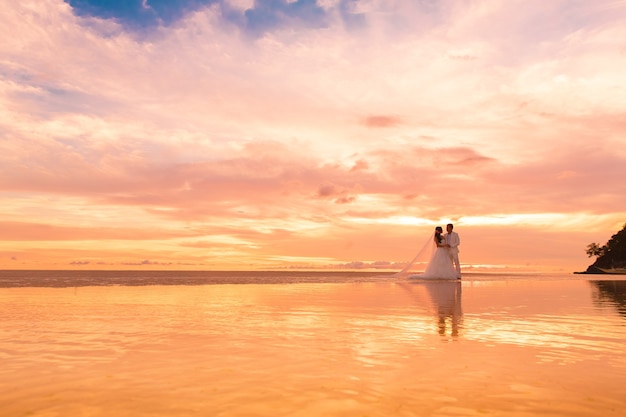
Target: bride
[(440, 265)]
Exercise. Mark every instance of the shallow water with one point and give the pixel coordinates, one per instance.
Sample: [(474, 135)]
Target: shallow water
[(525, 346)]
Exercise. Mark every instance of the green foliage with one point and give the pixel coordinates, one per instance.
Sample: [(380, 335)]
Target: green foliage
[(611, 255)]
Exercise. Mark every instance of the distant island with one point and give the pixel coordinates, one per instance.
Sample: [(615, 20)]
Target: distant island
[(610, 258)]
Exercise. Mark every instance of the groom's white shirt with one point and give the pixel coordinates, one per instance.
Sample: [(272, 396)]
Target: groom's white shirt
[(453, 240)]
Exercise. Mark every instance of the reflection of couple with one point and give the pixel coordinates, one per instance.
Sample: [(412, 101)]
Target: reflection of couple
[(444, 264), (447, 299)]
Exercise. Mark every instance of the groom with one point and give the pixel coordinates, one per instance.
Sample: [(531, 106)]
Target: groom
[(453, 241)]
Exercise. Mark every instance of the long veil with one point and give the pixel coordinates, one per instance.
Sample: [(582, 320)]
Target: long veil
[(422, 256)]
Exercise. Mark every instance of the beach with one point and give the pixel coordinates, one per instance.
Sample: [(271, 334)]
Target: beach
[(488, 345)]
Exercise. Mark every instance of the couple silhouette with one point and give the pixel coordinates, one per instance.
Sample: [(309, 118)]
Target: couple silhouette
[(444, 263)]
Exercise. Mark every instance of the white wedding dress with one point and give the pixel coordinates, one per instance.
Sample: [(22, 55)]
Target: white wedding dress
[(439, 267)]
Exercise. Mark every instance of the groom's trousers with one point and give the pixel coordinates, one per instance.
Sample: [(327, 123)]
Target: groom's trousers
[(454, 255)]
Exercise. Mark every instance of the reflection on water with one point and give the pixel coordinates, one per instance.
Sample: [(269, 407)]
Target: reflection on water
[(612, 293), (521, 349), (446, 301), (447, 298)]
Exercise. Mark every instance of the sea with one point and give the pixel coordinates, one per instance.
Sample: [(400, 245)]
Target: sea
[(310, 343), (74, 278), (82, 278)]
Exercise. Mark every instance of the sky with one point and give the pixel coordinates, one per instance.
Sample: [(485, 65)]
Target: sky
[(272, 134)]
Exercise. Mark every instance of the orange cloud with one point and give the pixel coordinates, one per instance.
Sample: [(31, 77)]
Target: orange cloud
[(20, 231), (197, 145)]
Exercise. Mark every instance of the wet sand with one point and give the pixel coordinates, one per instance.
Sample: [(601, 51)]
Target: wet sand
[(523, 347)]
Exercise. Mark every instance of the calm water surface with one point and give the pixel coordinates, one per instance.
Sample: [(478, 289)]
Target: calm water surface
[(533, 345)]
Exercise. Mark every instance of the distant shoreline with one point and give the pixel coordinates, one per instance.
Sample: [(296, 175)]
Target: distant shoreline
[(594, 270)]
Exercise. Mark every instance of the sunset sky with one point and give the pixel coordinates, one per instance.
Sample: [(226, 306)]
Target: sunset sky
[(253, 134)]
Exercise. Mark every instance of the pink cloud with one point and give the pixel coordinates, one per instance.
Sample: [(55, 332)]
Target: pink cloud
[(22, 231), (381, 121), (195, 128)]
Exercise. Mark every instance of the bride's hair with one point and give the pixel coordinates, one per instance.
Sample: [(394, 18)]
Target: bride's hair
[(438, 232)]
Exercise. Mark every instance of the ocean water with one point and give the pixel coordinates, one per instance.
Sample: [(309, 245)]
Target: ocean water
[(295, 343), (73, 278), (61, 278)]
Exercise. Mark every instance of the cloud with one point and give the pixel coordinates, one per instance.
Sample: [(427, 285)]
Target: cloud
[(381, 121), (286, 120), (21, 231), (147, 262), (80, 263), (239, 5)]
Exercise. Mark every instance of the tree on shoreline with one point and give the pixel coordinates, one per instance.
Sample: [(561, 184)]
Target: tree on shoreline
[(611, 255)]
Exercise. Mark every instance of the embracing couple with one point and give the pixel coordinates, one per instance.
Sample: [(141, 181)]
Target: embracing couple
[(444, 264)]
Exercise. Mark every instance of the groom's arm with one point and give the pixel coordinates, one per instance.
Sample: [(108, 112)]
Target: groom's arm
[(455, 241)]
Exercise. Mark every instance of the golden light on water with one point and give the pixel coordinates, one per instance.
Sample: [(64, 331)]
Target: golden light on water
[(310, 349)]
